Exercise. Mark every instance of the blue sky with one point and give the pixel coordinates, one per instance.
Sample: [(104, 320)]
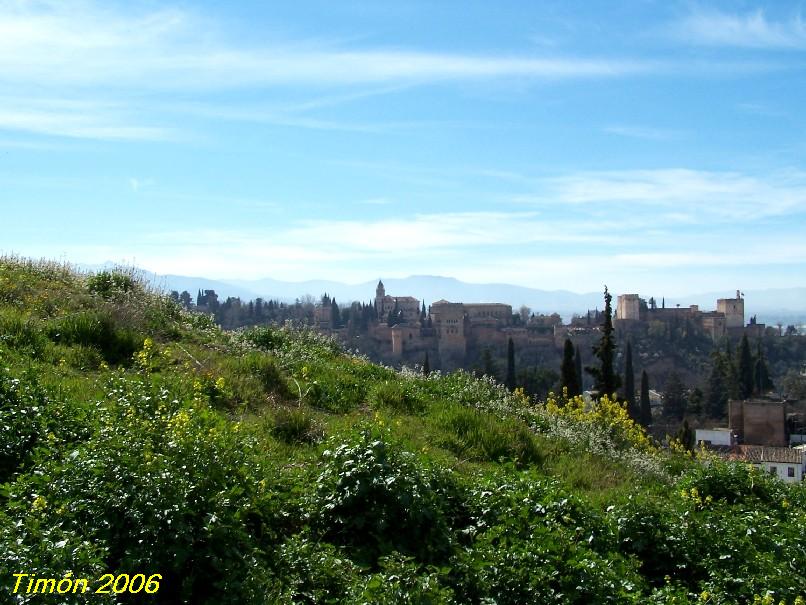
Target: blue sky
[(652, 146)]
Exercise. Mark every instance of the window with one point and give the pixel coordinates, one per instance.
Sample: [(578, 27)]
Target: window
[(773, 470), (790, 471)]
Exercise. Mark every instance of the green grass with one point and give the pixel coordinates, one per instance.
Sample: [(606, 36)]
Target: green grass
[(269, 467)]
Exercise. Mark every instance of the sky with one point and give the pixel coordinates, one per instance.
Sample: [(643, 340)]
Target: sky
[(651, 146)]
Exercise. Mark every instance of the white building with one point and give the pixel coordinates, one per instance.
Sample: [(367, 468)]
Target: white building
[(714, 437), (783, 462)]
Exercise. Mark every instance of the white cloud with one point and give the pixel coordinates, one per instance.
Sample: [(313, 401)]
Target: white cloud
[(723, 196), (752, 30), (76, 119), (83, 45)]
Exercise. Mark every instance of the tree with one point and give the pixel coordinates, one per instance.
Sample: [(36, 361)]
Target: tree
[(746, 382), (761, 374), (629, 385), (568, 371), (488, 367), (578, 368), (716, 396), (686, 436), (606, 381), (646, 406), (510, 379), (426, 365), (335, 314), (674, 397)]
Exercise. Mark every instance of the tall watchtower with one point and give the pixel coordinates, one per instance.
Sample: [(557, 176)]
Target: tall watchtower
[(733, 308)]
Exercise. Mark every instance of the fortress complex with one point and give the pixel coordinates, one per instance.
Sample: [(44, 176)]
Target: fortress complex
[(453, 334), (727, 320)]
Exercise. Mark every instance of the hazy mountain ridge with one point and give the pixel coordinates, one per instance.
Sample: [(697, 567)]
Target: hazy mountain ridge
[(787, 305)]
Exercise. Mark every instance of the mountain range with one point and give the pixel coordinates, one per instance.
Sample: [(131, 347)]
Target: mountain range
[(773, 305)]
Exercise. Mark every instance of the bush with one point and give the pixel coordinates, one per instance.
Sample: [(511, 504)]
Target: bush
[(108, 284), (21, 332), (295, 426), (376, 499), (95, 329)]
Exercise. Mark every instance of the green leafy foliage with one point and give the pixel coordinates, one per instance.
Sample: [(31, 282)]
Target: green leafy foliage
[(376, 498), (198, 455)]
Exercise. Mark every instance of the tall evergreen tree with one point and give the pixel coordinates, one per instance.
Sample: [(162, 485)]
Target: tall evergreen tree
[(674, 397), (746, 382), (335, 314), (426, 365), (629, 385), (488, 367), (716, 395), (510, 379), (646, 406), (568, 371), (761, 375), (578, 368), (606, 381)]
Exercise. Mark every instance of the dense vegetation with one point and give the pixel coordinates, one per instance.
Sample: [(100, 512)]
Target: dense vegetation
[(268, 466)]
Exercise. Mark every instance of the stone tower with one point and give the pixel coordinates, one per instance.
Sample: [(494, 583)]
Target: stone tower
[(733, 308)]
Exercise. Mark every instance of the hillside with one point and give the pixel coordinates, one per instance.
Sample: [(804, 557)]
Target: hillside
[(269, 466)]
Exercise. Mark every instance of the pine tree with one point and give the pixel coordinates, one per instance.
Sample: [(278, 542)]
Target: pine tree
[(746, 382), (578, 368), (510, 379), (426, 365), (646, 406), (606, 381), (568, 371), (629, 385)]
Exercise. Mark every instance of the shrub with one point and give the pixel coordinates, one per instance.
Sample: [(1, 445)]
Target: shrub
[(21, 332), (95, 329), (108, 284), (374, 498), (263, 368), (295, 426)]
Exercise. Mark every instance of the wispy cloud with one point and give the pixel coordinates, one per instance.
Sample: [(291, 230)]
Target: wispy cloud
[(725, 196), (43, 43), (750, 30), (76, 119), (645, 132)]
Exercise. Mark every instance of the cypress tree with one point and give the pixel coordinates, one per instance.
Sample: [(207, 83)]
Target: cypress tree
[(426, 365), (578, 368), (335, 314), (761, 374), (606, 381), (746, 382), (510, 379), (629, 385), (568, 371), (674, 397), (716, 396), (646, 407)]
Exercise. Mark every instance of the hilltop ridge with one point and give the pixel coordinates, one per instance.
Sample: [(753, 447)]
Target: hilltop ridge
[(270, 466)]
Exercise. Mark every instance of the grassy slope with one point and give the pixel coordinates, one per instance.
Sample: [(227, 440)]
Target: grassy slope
[(268, 466)]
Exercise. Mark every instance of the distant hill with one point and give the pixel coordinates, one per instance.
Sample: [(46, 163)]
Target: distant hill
[(785, 305)]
